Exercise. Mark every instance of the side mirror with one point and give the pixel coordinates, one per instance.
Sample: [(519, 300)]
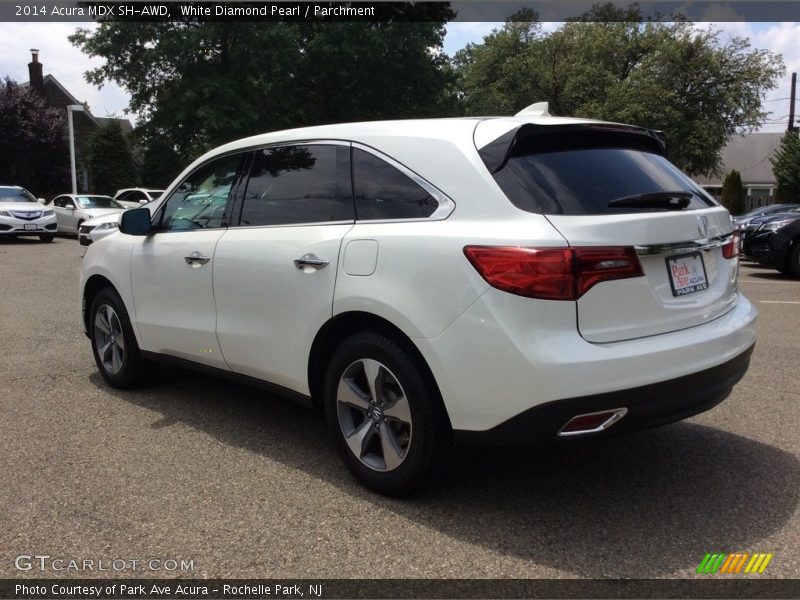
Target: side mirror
[(40, 200), (135, 221), (143, 201), (69, 207)]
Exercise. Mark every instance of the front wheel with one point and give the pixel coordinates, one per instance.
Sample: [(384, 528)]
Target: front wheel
[(384, 413), (114, 345)]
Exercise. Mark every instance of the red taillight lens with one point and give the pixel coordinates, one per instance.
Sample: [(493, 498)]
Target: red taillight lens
[(552, 273), (731, 249)]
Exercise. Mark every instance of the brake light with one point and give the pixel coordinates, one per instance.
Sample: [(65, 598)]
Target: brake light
[(552, 273), (731, 249)]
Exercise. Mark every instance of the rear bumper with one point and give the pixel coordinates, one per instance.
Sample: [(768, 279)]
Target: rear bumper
[(507, 355), (648, 406)]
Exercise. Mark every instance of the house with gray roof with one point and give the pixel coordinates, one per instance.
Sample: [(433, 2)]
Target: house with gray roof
[(749, 154)]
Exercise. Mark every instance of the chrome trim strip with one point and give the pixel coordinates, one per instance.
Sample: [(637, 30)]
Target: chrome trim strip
[(683, 247), (618, 413)]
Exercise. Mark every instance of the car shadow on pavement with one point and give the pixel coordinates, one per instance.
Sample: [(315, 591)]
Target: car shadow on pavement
[(642, 505)]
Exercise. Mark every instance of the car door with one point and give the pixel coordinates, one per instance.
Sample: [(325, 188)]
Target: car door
[(274, 272), (60, 208), (172, 269)]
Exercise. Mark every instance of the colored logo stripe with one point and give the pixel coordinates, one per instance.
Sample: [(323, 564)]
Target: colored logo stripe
[(734, 563)]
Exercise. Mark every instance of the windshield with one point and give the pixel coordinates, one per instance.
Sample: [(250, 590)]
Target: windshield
[(97, 202), (9, 194), (584, 172)]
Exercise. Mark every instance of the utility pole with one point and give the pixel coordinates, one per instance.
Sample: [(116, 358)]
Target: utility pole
[(792, 128)]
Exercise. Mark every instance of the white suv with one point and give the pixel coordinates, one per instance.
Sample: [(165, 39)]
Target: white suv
[(488, 280)]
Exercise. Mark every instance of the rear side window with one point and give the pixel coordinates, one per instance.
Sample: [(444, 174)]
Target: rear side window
[(583, 172), (299, 184), (383, 192)]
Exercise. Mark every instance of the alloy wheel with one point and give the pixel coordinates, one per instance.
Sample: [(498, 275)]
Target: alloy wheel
[(109, 340), (374, 415)]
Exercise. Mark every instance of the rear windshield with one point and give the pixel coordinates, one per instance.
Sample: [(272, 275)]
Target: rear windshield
[(8, 194), (582, 172)]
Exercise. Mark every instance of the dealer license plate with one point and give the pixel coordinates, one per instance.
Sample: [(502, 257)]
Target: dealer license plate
[(687, 274)]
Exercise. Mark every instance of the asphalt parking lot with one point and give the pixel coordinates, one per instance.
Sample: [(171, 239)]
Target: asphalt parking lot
[(246, 485)]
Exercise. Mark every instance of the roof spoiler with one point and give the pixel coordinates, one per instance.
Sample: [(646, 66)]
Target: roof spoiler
[(496, 153)]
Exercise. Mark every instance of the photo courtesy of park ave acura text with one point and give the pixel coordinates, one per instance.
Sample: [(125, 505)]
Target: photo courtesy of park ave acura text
[(463, 299)]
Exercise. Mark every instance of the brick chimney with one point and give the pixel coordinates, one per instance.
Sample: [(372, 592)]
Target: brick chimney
[(35, 72)]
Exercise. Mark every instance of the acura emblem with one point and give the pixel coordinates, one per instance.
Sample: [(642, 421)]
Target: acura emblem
[(702, 226)]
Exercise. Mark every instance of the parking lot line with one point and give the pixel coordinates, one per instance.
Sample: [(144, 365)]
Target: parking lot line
[(778, 302)]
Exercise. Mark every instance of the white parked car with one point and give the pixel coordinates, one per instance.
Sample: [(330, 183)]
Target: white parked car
[(494, 280), (135, 197), (22, 215), (101, 227), (73, 209)]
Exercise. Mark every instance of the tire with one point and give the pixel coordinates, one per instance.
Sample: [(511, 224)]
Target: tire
[(47, 237), (794, 260), (404, 436), (120, 364)]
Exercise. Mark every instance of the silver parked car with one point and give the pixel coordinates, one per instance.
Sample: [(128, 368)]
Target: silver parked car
[(73, 209)]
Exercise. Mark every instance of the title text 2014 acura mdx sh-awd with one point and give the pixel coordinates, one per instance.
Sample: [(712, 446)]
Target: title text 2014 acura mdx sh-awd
[(488, 280)]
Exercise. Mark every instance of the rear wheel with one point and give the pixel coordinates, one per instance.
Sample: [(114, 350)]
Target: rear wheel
[(47, 237), (114, 345), (384, 413)]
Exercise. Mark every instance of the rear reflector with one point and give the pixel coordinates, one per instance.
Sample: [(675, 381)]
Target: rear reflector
[(731, 249), (552, 273), (592, 422)]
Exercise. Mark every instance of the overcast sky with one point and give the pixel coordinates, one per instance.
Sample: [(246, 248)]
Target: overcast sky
[(68, 64)]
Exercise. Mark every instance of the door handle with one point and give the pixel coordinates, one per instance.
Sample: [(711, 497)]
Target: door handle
[(195, 259), (310, 260)]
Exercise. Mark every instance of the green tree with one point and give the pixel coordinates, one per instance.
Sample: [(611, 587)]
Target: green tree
[(692, 84), (786, 167), (161, 163), (201, 84), (34, 141), (111, 162), (733, 193)]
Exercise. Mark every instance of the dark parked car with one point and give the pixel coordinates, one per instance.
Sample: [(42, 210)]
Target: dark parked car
[(775, 243), (742, 221)]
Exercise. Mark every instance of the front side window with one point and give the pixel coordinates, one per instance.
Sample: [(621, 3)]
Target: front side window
[(383, 192), (63, 202), (298, 184), (200, 201)]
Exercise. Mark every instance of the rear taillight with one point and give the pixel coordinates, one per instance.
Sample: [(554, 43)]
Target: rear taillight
[(731, 249), (552, 273)]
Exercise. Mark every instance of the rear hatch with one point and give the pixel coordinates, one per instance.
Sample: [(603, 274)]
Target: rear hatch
[(605, 185)]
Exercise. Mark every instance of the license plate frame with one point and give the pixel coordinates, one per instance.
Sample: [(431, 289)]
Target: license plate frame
[(687, 274)]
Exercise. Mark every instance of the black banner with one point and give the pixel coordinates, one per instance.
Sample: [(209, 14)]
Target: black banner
[(464, 10), (309, 589)]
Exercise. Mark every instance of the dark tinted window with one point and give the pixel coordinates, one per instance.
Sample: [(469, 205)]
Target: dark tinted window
[(383, 192), (580, 172), (200, 201), (298, 184), (63, 201)]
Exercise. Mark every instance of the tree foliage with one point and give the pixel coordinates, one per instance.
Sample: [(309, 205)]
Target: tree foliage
[(786, 167), (34, 141), (200, 84), (693, 84), (733, 193), (111, 162)]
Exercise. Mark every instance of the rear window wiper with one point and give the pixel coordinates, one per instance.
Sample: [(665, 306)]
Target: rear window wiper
[(663, 200)]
